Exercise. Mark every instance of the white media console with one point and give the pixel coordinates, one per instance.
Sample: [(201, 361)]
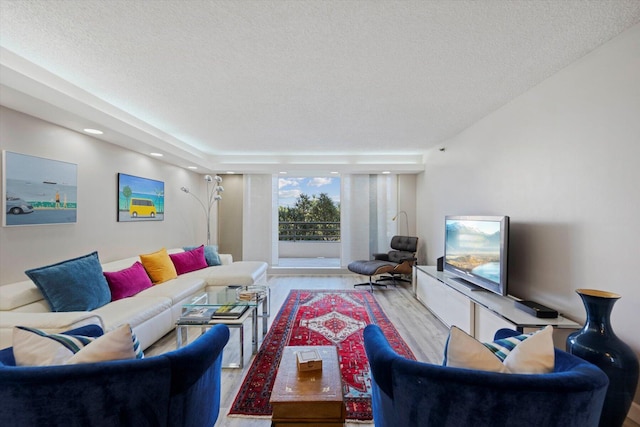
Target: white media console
[(479, 313)]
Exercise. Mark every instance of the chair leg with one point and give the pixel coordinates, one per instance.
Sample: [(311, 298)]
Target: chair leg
[(371, 284)]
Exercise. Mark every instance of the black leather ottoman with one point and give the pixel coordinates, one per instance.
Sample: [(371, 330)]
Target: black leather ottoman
[(371, 268)]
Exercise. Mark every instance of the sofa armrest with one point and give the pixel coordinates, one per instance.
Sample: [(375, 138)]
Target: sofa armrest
[(381, 356), (196, 379)]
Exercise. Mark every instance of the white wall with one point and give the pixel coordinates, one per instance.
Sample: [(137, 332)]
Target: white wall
[(259, 224), (562, 161), (406, 203), (98, 163), (230, 216)]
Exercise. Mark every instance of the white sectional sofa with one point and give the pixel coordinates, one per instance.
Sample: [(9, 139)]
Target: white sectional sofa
[(151, 313)]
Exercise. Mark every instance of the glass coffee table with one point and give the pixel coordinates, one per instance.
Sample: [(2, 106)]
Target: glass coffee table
[(231, 306)]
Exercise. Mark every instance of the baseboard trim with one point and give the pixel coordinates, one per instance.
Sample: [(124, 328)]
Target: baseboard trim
[(304, 271), (634, 413)]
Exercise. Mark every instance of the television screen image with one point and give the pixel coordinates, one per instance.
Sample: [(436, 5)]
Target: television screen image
[(476, 250)]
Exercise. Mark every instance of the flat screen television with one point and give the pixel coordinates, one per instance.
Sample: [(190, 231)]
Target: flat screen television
[(476, 251)]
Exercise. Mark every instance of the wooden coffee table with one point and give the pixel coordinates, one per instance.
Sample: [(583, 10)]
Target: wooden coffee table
[(311, 397)]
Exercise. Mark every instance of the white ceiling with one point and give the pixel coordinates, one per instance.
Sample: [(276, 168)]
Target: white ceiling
[(247, 85)]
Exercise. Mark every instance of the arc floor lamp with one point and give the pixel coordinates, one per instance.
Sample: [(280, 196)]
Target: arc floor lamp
[(213, 195)]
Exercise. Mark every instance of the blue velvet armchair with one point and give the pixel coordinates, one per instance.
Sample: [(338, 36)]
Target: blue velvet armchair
[(179, 388), (409, 393)]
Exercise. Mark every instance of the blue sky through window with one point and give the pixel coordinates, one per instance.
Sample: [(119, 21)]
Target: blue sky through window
[(289, 188)]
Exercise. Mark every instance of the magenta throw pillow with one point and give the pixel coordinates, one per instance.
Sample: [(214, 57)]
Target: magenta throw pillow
[(128, 282), (189, 260)]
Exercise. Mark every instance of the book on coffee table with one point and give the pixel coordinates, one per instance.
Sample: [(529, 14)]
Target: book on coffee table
[(251, 295), (229, 311), (198, 315)]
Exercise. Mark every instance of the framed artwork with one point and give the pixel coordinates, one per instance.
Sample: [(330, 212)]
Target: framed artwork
[(140, 199), (38, 191)]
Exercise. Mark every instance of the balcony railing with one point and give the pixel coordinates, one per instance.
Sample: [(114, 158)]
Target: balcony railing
[(328, 231)]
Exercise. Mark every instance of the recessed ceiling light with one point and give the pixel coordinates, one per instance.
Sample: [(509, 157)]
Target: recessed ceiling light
[(283, 173), (93, 131), (334, 173), (386, 172), (192, 167), (156, 154), (230, 172)]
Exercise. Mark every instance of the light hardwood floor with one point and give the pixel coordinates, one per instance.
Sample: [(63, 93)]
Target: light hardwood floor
[(424, 334)]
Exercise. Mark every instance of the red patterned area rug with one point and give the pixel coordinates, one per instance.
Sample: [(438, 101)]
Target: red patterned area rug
[(314, 317)]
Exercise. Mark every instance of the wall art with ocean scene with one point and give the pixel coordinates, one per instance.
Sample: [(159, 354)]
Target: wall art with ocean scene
[(140, 199), (38, 191)]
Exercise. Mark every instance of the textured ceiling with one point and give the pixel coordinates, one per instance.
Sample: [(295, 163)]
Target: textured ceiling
[(233, 79)]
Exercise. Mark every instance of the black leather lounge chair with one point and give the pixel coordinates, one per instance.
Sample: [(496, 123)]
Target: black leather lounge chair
[(396, 262)]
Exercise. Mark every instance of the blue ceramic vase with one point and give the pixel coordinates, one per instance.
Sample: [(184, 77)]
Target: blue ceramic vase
[(597, 343)]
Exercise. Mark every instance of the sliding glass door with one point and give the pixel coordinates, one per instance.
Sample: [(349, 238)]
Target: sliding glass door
[(309, 221)]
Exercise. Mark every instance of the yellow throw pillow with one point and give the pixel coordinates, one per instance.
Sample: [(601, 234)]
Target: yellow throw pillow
[(159, 266)]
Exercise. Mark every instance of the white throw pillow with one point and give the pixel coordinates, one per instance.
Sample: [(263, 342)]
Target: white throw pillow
[(33, 347), (535, 355), (114, 345), (523, 354)]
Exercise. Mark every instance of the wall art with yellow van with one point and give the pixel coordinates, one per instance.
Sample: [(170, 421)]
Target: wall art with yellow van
[(140, 199)]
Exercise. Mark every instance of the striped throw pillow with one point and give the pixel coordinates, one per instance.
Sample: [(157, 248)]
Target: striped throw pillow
[(502, 348), (34, 347)]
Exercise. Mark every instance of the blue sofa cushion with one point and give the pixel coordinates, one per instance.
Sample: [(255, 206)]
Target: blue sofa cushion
[(73, 285)]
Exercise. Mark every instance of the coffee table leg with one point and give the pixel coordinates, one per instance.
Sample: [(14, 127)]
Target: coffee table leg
[(181, 336), (265, 313), (254, 330), (241, 346), (240, 364)]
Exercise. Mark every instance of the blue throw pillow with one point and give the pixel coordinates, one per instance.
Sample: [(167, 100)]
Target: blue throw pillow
[(210, 254), (73, 285)]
